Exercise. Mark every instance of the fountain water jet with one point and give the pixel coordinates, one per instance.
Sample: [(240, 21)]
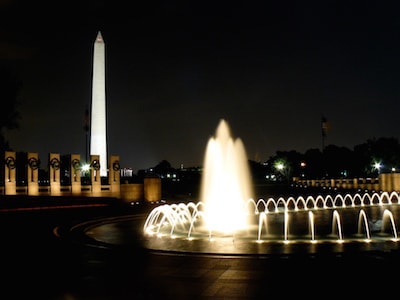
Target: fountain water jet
[(337, 225), (225, 183), (311, 223), (388, 214), (363, 220)]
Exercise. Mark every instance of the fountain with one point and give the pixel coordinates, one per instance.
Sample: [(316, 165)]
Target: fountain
[(227, 219), (226, 186), (225, 183)]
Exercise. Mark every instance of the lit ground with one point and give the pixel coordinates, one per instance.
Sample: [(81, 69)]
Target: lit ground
[(38, 264)]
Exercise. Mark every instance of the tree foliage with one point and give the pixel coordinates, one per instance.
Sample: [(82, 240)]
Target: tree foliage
[(10, 86), (341, 162)]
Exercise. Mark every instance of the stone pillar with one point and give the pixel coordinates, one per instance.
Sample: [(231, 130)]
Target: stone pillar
[(131, 192), (389, 182), (152, 189), (54, 174), (95, 175), (10, 182), (332, 183), (75, 168), (33, 174), (114, 176), (396, 182), (355, 183), (384, 182)]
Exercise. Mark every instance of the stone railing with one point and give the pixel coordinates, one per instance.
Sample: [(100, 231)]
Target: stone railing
[(388, 182)]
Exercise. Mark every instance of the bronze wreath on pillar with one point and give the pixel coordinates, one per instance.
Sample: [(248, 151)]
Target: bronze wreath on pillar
[(55, 163), (10, 162), (76, 165), (96, 165), (116, 166), (33, 163)]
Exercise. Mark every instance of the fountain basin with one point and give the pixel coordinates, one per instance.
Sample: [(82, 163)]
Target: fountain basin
[(228, 220), (330, 223)]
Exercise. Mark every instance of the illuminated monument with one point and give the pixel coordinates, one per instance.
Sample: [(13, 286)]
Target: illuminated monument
[(98, 126)]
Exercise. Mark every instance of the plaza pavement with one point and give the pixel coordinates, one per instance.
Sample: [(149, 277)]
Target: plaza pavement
[(37, 263)]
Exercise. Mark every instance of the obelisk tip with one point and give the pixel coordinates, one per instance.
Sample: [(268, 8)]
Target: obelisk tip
[(99, 38)]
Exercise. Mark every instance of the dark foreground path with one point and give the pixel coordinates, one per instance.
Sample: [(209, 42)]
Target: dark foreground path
[(35, 263)]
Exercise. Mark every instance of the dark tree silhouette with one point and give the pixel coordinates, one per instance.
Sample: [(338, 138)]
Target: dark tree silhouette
[(162, 167), (384, 150), (10, 86), (338, 161)]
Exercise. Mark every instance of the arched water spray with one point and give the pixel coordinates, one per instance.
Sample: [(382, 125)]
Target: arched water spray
[(337, 225), (197, 215), (311, 225), (362, 220), (286, 225), (262, 222), (387, 214)]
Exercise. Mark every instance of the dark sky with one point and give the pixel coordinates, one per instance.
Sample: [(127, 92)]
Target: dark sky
[(271, 69)]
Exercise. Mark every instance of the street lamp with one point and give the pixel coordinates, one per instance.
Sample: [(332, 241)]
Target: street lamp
[(377, 166), (280, 166)]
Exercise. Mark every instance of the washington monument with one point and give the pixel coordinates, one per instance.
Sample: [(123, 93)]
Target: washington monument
[(98, 124)]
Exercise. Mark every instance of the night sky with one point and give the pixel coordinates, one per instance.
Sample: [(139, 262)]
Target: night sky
[(271, 69)]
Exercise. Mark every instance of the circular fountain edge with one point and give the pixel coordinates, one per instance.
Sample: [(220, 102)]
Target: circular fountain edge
[(110, 234)]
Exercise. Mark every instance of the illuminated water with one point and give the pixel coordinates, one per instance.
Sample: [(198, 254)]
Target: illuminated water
[(225, 183), (229, 217)]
